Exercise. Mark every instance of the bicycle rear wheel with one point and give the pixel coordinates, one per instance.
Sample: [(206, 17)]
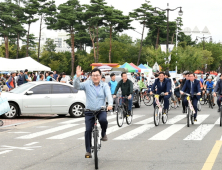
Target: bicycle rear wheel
[(220, 116), (129, 119), (1, 123), (211, 99), (192, 117), (156, 116), (96, 136), (120, 116), (188, 117), (148, 100)]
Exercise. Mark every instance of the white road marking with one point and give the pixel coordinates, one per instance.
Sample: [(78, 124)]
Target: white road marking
[(72, 121), (28, 148), (3, 152), (133, 133), (168, 132), (146, 121), (200, 132), (175, 119), (45, 132), (201, 118), (217, 122), (134, 117), (29, 144), (68, 134), (18, 132)]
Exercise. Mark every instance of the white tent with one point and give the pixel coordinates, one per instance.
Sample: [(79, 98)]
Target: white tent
[(22, 64)]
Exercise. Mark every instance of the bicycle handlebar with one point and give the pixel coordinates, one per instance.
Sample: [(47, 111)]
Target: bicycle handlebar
[(195, 94)]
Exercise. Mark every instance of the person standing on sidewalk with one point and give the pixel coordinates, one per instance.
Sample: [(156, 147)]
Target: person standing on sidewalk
[(112, 84), (11, 81), (96, 94)]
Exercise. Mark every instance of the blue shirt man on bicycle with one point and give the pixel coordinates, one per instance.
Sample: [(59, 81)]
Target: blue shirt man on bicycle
[(96, 94), (163, 86), (191, 87), (210, 87)]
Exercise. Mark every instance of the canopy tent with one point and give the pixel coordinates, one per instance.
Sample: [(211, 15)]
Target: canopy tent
[(22, 64), (133, 65), (129, 68), (105, 68), (147, 66), (145, 70)]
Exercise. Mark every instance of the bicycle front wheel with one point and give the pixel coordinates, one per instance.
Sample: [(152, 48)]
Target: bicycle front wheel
[(129, 118), (120, 117), (95, 136), (148, 100), (164, 117), (156, 116), (188, 117)]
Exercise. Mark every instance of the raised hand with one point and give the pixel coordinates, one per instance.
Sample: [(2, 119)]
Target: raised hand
[(79, 71)]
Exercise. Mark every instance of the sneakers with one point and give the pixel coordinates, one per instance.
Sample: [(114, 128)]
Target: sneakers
[(88, 155), (129, 112), (195, 119), (105, 138)]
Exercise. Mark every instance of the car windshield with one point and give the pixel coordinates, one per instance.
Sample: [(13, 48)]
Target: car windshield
[(22, 88)]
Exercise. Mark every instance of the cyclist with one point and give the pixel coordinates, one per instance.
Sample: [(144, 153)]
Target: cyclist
[(96, 94), (218, 89), (176, 91), (209, 87), (185, 78), (112, 84), (192, 86), (126, 86), (163, 86), (142, 86)]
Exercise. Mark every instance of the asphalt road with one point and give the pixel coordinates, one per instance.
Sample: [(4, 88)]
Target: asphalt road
[(58, 143)]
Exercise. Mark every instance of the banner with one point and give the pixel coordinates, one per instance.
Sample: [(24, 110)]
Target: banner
[(170, 47)]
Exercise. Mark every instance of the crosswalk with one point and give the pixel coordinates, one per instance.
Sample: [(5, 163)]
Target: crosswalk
[(75, 129)]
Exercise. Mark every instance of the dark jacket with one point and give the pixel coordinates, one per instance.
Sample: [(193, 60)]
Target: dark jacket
[(218, 87), (164, 88), (126, 88), (196, 87), (182, 83), (20, 80)]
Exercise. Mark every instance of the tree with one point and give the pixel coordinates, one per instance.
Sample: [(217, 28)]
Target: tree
[(116, 21), (31, 9), (46, 8), (68, 18), (94, 16), (142, 15)]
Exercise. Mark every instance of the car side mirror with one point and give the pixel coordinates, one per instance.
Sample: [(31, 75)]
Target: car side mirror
[(29, 92)]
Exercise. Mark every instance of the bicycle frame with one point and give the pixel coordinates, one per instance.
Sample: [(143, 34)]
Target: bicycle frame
[(158, 102)]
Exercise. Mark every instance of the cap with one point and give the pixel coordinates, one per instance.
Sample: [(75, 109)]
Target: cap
[(13, 72), (21, 71), (112, 74)]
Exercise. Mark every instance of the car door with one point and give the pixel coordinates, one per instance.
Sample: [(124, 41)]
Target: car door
[(62, 98), (39, 101)]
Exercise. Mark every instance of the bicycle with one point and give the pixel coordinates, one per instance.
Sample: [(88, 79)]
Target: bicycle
[(1, 123), (158, 110), (147, 98), (203, 99), (122, 112), (190, 110), (96, 139), (210, 98)]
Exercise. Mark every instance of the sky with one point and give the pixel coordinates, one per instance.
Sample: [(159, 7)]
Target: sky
[(198, 13)]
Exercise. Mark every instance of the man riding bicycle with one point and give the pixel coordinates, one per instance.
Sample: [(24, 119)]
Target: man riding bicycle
[(218, 89), (192, 86), (126, 86), (96, 94), (209, 87), (163, 86)]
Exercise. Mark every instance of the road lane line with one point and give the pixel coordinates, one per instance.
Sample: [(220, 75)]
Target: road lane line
[(133, 133), (3, 152), (33, 143), (68, 134), (168, 132), (45, 132), (146, 121), (134, 117), (175, 119), (200, 132), (208, 165)]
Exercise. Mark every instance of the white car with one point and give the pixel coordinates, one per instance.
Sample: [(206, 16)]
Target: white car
[(45, 98)]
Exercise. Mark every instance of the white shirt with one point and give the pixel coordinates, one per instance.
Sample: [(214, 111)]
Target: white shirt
[(65, 79)]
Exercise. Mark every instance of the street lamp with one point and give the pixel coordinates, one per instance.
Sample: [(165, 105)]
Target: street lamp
[(155, 13), (203, 40)]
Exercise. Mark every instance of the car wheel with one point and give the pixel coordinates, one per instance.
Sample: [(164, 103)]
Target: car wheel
[(76, 110), (13, 112), (137, 104)]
